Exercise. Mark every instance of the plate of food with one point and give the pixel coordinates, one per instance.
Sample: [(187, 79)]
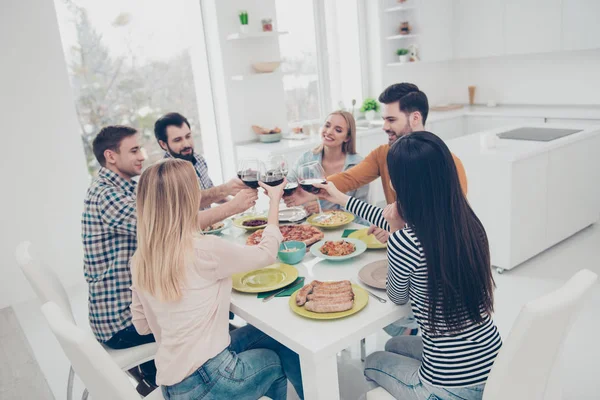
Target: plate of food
[(336, 219), (370, 240), (338, 250), (250, 222), (328, 300), (301, 233), (374, 274), (273, 277), (292, 214), (217, 227)]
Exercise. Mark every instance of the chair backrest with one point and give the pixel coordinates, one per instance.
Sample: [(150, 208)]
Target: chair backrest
[(101, 375), (44, 281), (526, 360)]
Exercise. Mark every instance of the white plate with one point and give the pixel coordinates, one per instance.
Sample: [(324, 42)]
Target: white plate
[(374, 274), (226, 224), (292, 214)]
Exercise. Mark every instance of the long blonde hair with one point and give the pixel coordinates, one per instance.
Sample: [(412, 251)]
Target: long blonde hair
[(168, 200), (348, 147)]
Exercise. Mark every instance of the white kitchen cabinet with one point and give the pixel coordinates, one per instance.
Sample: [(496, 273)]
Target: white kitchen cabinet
[(447, 128), (580, 27), (435, 42), (528, 208), (478, 28), (577, 121), (573, 190), (532, 26), (476, 124)]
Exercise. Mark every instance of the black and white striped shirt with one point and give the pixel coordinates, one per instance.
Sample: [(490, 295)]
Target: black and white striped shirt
[(450, 360)]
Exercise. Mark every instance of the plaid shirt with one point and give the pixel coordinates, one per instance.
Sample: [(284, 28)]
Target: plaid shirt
[(201, 170), (109, 240)]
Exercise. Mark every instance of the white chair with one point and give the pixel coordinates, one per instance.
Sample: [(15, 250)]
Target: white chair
[(524, 367), (48, 287), (98, 371), (101, 375)]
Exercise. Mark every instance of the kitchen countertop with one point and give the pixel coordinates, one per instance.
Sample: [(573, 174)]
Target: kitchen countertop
[(510, 150), (540, 111)]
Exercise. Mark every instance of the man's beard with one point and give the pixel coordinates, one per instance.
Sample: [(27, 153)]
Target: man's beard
[(190, 157), (405, 131)]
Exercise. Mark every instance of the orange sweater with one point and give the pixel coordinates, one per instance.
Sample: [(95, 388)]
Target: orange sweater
[(374, 166)]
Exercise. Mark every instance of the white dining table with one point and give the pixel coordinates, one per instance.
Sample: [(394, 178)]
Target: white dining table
[(318, 342)]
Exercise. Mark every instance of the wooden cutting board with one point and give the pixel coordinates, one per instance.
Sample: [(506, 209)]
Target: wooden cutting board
[(449, 107)]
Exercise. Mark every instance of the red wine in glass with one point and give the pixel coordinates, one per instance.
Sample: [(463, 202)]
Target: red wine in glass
[(273, 177), (307, 185), (250, 181), (290, 188)]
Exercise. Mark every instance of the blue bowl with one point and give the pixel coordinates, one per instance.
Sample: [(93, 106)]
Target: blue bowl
[(298, 250)]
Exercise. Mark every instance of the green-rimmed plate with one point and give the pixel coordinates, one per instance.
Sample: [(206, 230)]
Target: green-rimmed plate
[(360, 248), (370, 240), (239, 222), (265, 279), (226, 224), (361, 298), (341, 218)]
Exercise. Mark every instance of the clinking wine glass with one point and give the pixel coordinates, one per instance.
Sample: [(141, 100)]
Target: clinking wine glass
[(309, 174), (249, 171)]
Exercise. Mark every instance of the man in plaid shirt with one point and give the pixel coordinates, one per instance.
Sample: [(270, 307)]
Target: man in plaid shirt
[(109, 240)]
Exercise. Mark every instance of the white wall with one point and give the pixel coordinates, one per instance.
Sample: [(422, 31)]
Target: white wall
[(553, 78), (42, 168)]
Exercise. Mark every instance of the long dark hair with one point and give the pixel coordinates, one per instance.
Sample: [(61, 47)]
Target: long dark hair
[(430, 200)]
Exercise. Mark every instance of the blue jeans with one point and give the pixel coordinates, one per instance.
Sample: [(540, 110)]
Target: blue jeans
[(397, 370), (254, 365)]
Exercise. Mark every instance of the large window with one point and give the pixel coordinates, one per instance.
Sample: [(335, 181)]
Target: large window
[(129, 62), (300, 66)]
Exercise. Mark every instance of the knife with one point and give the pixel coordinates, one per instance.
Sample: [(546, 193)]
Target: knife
[(275, 294), (380, 299)]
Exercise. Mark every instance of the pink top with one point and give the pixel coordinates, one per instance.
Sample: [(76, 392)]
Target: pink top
[(195, 329)]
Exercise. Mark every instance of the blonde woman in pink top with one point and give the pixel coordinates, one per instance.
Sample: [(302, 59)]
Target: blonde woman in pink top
[(182, 292)]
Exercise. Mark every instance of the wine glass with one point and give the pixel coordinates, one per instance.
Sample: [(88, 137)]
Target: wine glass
[(249, 171), (275, 170), (309, 174)]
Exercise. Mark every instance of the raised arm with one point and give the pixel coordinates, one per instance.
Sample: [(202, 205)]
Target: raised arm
[(361, 174), (366, 211), (403, 258), (118, 212)]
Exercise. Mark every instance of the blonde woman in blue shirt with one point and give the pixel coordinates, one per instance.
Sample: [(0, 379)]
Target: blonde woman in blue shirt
[(336, 153)]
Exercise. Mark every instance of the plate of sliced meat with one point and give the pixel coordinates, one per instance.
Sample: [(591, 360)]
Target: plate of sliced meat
[(328, 300)]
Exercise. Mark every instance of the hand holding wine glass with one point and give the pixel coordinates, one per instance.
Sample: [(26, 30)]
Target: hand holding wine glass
[(328, 191), (310, 174)]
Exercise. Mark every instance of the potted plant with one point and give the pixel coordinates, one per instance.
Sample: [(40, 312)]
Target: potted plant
[(370, 107), (402, 55), (243, 15)]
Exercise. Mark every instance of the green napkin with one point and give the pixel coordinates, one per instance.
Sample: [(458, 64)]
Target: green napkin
[(347, 232), (297, 284)]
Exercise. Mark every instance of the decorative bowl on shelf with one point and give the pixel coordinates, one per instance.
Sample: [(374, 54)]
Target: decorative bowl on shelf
[(269, 138), (266, 67)]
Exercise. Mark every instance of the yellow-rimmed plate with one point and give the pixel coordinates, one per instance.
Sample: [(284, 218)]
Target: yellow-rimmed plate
[(370, 240), (339, 218), (361, 298), (239, 222), (265, 279)]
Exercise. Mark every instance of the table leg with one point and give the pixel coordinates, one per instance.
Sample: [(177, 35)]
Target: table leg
[(320, 378)]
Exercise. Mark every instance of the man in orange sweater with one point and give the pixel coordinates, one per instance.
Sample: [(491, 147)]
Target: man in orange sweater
[(405, 110)]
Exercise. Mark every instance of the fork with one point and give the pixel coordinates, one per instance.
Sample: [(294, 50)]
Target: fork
[(322, 217)]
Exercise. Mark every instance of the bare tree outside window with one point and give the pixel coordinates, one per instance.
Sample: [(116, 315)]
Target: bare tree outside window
[(129, 63)]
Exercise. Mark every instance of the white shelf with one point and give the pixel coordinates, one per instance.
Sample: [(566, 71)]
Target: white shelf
[(395, 37), (399, 64), (399, 8), (254, 76), (255, 35)]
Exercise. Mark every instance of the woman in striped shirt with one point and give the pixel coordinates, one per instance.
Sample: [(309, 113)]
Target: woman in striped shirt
[(438, 258)]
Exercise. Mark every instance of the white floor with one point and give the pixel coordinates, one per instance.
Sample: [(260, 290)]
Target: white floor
[(528, 281)]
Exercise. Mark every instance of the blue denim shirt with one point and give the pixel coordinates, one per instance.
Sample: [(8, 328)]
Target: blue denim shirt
[(361, 193)]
